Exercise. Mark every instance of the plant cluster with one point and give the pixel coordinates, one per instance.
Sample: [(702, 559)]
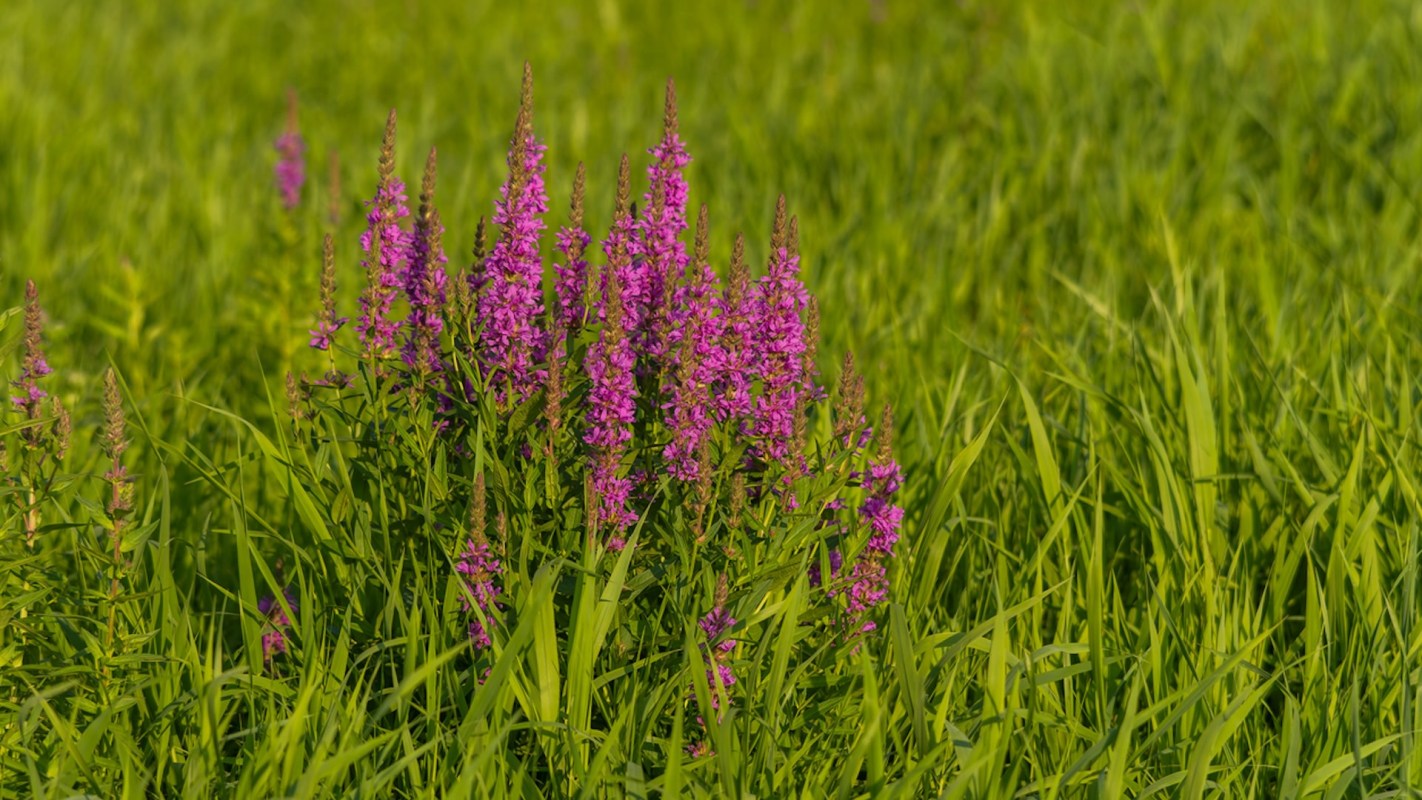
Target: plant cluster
[(639, 421), (631, 468)]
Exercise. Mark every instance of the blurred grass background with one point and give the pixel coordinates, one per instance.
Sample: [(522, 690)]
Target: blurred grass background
[(1175, 243)]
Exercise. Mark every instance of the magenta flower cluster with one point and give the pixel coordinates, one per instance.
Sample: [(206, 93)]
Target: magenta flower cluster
[(612, 386), (40, 436), (387, 250), (869, 578), (274, 637), (660, 375), (291, 159), (720, 676), (34, 365), (660, 256), (480, 569), (324, 330), (290, 168), (511, 287), (780, 305), (735, 357), (328, 323), (665, 333), (572, 274), (698, 354), (424, 281)]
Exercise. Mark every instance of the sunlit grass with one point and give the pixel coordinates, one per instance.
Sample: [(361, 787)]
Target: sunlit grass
[(1140, 282)]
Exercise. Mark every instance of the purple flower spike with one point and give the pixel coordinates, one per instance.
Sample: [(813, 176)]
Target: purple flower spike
[(660, 254), (328, 324), (851, 428), (291, 166), (718, 620), (34, 366), (878, 510), (387, 248), (696, 334), (274, 639), (511, 286), (715, 623), (718, 650), (870, 578), (620, 248), (45, 438), (781, 302), (727, 679), (425, 282), (481, 571), (612, 400), (735, 363), (573, 243), (869, 587), (612, 396)]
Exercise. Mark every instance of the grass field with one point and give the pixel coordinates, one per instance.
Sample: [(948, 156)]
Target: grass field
[(1140, 281)]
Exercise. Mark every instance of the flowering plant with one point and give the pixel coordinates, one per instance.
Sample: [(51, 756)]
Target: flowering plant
[(652, 431), (626, 477)]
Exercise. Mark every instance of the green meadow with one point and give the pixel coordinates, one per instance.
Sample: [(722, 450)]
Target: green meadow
[(1140, 280)]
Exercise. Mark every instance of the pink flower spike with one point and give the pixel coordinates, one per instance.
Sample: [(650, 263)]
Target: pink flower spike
[(511, 281)]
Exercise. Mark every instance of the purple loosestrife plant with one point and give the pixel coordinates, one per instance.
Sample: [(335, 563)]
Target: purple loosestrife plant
[(480, 569), (554, 393), (464, 291), (848, 415), (425, 283), (696, 428), (735, 363), (35, 366), (718, 620), (814, 392), (690, 415), (622, 239), (275, 638), (41, 441), (809, 392), (851, 427), (652, 399), (851, 434), (781, 302), (658, 251), (720, 676), (327, 324), (739, 353), (612, 393), (291, 164), (387, 249), (511, 297), (120, 500), (573, 241), (882, 517), (476, 279)]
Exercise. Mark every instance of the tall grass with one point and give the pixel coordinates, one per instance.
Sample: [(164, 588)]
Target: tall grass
[(1139, 281)]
